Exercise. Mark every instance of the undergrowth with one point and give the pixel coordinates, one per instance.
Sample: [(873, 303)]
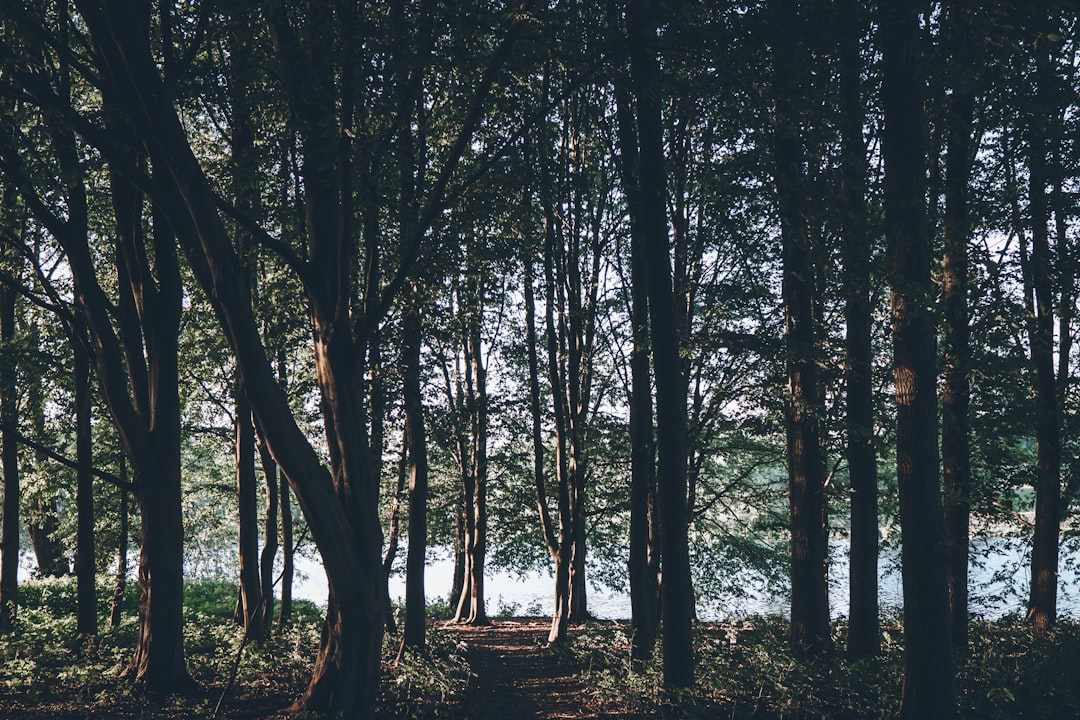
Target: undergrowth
[(44, 663), (745, 670)]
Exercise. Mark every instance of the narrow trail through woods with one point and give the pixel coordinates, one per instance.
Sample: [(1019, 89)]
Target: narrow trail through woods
[(516, 676)]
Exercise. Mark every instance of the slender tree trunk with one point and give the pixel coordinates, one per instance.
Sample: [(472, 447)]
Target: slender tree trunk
[(864, 637), (395, 523), (9, 462), (86, 566), (457, 584), (929, 684), (288, 566), (415, 596), (248, 611), (120, 585), (561, 617), (1045, 545), (244, 164), (955, 385), (803, 407), (671, 422), (270, 545)]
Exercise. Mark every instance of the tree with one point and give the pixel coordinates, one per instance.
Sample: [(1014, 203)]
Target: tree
[(804, 405), (863, 625), (929, 684), (671, 438), (956, 385), (1038, 281), (9, 455), (643, 558), (85, 565)]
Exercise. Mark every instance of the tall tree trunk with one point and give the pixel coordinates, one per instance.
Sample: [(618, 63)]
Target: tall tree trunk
[(803, 407), (85, 564), (9, 462), (245, 190), (671, 422), (1045, 545), (554, 339), (955, 385), (415, 596), (929, 684), (644, 582), (863, 623)]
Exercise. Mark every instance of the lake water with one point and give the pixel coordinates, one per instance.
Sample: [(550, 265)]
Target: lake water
[(999, 580)]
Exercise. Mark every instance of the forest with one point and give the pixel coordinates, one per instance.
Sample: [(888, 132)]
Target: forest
[(687, 300)]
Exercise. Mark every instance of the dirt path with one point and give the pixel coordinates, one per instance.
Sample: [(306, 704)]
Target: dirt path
[(516, 677)]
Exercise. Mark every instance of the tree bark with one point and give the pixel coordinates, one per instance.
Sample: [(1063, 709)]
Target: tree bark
[(671, 420), (929, 684)]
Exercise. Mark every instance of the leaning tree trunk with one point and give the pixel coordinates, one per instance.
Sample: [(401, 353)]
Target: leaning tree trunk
[(929, 685)]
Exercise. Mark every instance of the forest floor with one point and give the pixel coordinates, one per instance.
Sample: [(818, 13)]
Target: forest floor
[(515, 675), (511, 672)]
